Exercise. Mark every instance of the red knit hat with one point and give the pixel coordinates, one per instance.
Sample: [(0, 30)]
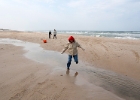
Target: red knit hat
[(71, 38)]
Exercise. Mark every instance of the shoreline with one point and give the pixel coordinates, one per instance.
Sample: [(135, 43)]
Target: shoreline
[(87, 33)]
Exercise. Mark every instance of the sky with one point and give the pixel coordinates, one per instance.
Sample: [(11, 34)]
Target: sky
[(96, 15)]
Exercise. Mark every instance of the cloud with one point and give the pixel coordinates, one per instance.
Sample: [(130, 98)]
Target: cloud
[(47, 1), (76, 3), (70, 14), (18, 14)]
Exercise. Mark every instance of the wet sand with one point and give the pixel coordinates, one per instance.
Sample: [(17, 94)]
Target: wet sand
[(110, 70)]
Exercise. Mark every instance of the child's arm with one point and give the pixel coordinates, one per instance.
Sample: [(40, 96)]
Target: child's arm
[(66, 47), (80, 46)]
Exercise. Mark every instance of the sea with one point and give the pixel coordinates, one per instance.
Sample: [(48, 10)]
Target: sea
[(113, 34)]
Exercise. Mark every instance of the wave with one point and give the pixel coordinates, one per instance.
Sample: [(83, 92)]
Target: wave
[(121, 35), (113, 34)]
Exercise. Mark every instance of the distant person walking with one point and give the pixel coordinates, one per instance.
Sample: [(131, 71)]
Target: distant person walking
[(54, 34), (50, 34)]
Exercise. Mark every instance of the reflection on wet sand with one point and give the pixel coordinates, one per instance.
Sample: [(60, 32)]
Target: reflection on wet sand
[(68, 72), (75, 74)]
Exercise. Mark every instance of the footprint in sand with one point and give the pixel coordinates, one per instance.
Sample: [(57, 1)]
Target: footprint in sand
[(67, 72)]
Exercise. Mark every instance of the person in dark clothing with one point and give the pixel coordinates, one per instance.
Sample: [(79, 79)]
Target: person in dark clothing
[(50, 34)]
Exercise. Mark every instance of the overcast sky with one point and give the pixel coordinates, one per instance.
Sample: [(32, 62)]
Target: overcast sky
[(102, 15)]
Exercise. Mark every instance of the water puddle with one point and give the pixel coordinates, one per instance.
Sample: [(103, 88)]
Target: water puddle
[(38, 54), (89, 76)]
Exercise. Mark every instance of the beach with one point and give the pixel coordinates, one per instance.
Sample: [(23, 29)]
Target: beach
[(109, 69)]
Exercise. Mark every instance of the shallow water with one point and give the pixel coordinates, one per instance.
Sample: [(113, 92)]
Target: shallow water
[(36, 53), (87, 75)]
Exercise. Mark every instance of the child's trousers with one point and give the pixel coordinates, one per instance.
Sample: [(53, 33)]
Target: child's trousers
[(70, 59)]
